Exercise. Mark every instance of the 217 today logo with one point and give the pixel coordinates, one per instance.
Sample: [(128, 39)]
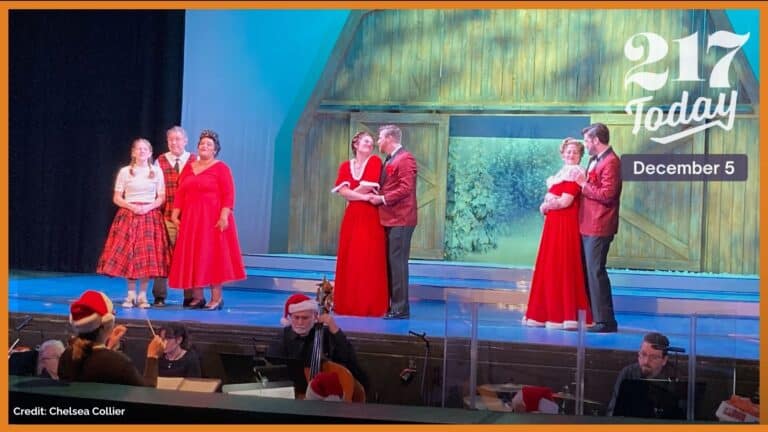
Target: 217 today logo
[(679, 112)]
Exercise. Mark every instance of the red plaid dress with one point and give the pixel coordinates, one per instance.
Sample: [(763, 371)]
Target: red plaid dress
[(136, 246)]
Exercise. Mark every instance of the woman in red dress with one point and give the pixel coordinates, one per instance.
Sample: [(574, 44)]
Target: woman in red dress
[(557, 289), (207, 251), (361, 263)]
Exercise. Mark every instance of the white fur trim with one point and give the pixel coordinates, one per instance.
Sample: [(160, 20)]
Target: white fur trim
[(306, 305), (86, 324), (566, 173), (341, 185), (91, 322), (312, 395), (532, 323), (371, 184), (362, 168), (285, 322), (547, 406)]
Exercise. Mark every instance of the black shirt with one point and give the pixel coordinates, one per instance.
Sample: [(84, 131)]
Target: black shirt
[(296, 351), (107, 366), (187, 366)]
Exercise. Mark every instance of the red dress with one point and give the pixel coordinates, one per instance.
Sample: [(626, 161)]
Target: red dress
[(558, 288), (205, 255), (360, 287)]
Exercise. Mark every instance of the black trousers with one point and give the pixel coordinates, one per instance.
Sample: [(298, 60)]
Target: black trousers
[(598, 285), (398, 252)]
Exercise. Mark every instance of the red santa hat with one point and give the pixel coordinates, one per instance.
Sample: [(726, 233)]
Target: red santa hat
[(92, 310), (297, 303), (325, 386), (539, 399)]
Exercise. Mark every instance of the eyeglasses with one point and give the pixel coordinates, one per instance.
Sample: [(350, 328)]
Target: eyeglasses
[(652, 357)]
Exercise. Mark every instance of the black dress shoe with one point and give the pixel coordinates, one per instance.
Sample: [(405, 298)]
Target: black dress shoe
[(392, 316), (196, 304), (603, 328), (159, 302)]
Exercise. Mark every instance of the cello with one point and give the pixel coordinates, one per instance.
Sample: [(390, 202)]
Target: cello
[(351, 387)]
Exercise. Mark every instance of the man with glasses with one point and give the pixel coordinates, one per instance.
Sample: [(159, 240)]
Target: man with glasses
[(651, 364)]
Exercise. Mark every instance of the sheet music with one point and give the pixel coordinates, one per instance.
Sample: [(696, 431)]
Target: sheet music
[(203, 385)]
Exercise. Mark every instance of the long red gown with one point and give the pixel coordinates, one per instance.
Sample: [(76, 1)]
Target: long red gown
[(205, 255), (360, 287), (558, 287)]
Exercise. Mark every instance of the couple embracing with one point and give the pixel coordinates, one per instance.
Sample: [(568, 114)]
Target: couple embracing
[(376, 230)]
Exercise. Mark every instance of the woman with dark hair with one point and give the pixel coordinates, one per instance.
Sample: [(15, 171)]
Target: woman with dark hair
[(177, 359), (207, 251), (90, 358), (361, 262), (137, 245)]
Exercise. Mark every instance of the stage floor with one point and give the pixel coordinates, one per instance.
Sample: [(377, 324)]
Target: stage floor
[(724, 336)]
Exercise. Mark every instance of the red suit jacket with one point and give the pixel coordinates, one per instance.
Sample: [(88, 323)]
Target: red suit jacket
[(398, 185), (599, 209)]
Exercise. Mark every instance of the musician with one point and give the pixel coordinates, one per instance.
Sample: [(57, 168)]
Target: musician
[(90, 356), (295, 341), (48, 358), (651, 364)]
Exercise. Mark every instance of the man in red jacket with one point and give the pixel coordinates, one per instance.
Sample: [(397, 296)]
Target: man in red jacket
[(599, 221), (398, 215)]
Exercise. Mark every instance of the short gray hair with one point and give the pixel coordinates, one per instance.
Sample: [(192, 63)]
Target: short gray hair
[(391, 131), (54, 345), (178, 129)]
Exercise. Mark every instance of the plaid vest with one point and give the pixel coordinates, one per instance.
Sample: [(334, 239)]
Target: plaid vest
[(171, 182)]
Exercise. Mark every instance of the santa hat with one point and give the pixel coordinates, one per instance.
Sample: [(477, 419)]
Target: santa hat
[(538, 399), (297, 303), (325, 386), (92, 310)]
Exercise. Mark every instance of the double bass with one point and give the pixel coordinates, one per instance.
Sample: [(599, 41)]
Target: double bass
[(353, 390)]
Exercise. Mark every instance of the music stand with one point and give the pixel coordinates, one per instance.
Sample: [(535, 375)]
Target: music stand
[(23, 363), (650, 398), (241, 368)]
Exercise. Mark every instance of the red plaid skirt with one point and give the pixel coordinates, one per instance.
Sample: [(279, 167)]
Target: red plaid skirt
[(136, 247)]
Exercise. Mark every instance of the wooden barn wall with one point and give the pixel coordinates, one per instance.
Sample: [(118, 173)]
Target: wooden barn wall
[(508, 59), (316, 212), (732, 216), (660, 221)]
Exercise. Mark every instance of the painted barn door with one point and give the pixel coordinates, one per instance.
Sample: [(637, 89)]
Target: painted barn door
[(426, 137), (660, 222)]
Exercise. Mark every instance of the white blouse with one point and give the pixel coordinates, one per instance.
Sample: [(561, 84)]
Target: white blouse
[(139, 187)]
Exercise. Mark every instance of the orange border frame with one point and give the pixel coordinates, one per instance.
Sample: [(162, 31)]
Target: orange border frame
[(4, 136)]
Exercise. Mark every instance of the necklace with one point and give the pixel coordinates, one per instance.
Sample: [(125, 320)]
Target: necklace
[(358, 167), (175, 355)]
